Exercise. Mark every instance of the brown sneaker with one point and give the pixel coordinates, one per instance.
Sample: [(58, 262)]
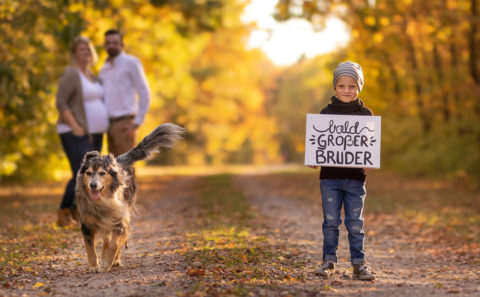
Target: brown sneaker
[(326, 269), (64, 217), (362, 272)]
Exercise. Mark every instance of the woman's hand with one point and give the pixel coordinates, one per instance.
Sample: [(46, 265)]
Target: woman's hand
[(68, 118), (78, 131)]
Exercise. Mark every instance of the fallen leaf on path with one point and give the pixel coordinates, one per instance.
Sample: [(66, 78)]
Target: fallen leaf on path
[(7, 285), (38, 285), (195, 272)]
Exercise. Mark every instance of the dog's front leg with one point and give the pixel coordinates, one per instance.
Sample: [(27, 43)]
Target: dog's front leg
[(106, 240), (89, 239), (112, 249), (118, 261)]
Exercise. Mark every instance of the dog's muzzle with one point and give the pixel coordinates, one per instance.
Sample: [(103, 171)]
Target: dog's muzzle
[(94, 193)]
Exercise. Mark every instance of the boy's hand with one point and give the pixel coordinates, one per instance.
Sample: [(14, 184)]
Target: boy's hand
[(312, 166)]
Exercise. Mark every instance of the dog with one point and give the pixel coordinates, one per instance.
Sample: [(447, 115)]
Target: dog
[(105, 194)]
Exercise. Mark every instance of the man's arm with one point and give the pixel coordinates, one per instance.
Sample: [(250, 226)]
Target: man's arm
[(143, 91)]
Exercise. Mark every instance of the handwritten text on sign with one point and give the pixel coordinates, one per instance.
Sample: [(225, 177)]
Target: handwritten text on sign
[(343, 141)]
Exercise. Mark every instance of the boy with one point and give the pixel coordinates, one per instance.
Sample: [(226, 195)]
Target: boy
[(344, 185)]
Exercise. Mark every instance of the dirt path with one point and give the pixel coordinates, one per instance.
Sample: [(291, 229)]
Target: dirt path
[(407, 265), (151, 267), (172, 254)]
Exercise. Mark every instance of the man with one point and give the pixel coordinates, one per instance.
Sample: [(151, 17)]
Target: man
[(123, 79)]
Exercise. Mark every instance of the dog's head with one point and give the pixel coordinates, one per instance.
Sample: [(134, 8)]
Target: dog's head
[(100, 175)]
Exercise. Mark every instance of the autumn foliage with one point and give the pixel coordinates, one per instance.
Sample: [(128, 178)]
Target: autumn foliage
[(422, 75), (420, 58)]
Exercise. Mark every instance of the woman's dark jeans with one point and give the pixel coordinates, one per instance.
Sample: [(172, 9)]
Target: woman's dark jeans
[(75, 148)]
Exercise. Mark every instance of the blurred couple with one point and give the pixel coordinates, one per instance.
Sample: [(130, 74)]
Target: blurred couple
[(115, 103)]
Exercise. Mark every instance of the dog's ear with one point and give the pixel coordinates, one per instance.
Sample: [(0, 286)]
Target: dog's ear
[(90, 155), (111, 160), (112, 164), (87, 157)]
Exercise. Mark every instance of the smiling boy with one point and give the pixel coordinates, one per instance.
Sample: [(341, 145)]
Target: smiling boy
[(342, 185)]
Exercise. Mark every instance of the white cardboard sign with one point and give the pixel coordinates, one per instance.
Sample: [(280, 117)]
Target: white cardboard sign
[(343, 141)]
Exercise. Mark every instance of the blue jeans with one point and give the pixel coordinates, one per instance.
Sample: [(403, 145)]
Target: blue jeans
[(351, 193), (75, 148)]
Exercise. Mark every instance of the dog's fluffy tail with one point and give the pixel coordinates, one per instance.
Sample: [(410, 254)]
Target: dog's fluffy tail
[(165, 135)]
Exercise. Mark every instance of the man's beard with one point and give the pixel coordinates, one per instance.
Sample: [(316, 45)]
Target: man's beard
[(112, 53)]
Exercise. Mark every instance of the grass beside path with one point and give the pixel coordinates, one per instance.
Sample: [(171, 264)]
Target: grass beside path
[(28, 232), (226, 253), (228, 249)]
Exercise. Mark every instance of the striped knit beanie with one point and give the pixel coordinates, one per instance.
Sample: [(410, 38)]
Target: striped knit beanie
[(351, 69)]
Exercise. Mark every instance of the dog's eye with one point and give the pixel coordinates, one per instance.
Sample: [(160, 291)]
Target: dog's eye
[(101, 173), (89, 173)]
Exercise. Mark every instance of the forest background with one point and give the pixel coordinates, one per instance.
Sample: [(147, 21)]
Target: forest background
[(420, 59)]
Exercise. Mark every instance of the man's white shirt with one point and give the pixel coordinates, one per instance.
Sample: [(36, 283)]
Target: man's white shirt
[(123, 80)]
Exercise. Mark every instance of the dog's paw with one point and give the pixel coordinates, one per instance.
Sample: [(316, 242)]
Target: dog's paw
[(118, 263), (106, 267), (95, 269)]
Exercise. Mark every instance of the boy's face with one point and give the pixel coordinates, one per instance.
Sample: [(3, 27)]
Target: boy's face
[(346, 89)]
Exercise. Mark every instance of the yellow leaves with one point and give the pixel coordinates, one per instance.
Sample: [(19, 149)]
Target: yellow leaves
[(28, 269), (254, 99), (225, 96), (26, 147), (184, 101), (9, 164), (411, 29), (428, 28), (300, 147), (77, 7), (397, 18), (378, 37), (243, 233), (7, 167), (38, 285), (355, 34), (407, 2), (369, 21), (452, 4), (384, 21), (328, 287), (444, 34)]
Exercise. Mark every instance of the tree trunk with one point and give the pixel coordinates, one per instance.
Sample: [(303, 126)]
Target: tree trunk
[(473, 42), (445, 109), (393, 74), (424, 117)]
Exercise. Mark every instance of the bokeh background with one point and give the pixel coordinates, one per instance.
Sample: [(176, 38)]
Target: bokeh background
[(240, 105)]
